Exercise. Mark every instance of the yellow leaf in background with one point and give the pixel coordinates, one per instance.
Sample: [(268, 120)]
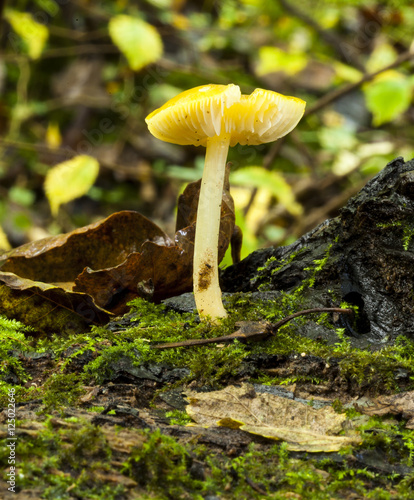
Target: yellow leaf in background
[(53, 136), (383, 55), (4, 242), (69, 180), (271, 181), (180, 21), (33, 34), (272, 59), (346, 73), (140, 42)]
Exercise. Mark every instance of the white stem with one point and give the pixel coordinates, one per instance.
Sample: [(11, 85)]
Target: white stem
[(207, 291)]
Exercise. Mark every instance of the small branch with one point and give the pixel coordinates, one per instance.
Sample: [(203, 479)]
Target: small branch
[(325, 101), (68, 51), (346, 89), (67, 153), (254, 486), (2, 3), (252, 330), (78, 36), (327, 36), (276, 326)]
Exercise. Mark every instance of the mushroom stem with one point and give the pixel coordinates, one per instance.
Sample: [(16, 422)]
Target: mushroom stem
[(207, 291)]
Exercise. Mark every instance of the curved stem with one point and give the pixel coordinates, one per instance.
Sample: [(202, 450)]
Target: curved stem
[(207, 291)]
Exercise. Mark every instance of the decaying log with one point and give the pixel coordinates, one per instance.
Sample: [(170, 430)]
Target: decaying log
[(370, 258)]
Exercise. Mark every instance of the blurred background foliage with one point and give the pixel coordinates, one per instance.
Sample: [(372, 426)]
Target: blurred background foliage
[(78, 77)]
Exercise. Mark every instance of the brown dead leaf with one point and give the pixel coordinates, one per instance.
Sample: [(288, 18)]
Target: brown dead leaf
[(302, 427), (90, 274), (47, 307), (395, 404), (106, 243)]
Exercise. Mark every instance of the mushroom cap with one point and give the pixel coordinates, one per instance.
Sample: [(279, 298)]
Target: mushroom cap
[(198, 114)]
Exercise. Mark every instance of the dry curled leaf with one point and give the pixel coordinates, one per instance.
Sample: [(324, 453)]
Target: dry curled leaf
[(301, 426), (90, 274)]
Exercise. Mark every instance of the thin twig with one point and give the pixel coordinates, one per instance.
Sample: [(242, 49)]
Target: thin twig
[(276, 326), (67, 153), (327, 36), (346, 89), (255, 486), (68, 51), (325, 101), (2, 4)]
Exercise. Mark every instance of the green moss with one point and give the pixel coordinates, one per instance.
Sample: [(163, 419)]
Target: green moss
[(96, 409), (271, 267), (408, 234), (378, 368), (162, 465), (61, 459), (14, 337), (178, 417), (62, 390), (407, 231)]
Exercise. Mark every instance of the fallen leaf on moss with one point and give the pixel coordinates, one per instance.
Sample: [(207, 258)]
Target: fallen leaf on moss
[(302, 427), (90, 274)]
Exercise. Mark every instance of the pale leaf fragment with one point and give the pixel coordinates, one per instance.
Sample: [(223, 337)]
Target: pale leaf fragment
[(33, 34), (301, 426), (140, 42), (302, 440)]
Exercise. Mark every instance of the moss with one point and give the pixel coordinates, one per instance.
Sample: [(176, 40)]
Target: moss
[(62, 459), (62, 390), (178, 417), (378, 368), (162, 465), (408, 234), (15, 337), (165, 468), (407, 231), (213, 364), (270, 268)]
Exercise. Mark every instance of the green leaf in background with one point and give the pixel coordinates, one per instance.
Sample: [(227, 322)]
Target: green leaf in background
[(272, 181), (33, 34), (22, 196), (69, 180), (137, 40), (337, 138), (388, 96), (273, 59)]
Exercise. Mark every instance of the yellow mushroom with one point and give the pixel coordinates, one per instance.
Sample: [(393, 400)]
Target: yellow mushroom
[(219, 116)]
